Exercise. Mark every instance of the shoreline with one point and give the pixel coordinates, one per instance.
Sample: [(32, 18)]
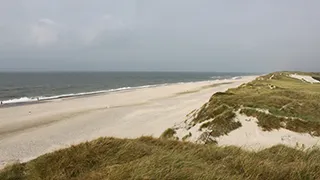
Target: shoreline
[(46, 99), (29, 131)]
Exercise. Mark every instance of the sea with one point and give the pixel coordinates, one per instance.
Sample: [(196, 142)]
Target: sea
[(27, 87)]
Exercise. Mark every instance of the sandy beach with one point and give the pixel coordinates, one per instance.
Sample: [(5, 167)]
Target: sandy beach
[(31, 130)]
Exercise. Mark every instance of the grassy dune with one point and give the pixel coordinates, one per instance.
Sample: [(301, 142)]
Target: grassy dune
[(276, 100), (149, 158)]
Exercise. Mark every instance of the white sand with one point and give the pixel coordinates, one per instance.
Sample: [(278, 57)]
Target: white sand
[(304, 78), (32, 130), (251, 137)]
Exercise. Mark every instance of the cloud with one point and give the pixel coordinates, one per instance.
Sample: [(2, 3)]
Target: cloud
[(102, 26), (45, 32), (207, 35)]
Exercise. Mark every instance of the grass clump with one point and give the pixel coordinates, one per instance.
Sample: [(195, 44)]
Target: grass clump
[(220, 119), (149, 158), (266, 121), (222, 124), (168, 134), (13, 172), (269, 122), (209, 113)]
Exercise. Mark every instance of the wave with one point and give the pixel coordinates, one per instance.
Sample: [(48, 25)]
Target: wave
[(22, 100), (46, 98), (236, 77), (226, 78), (19, 100)]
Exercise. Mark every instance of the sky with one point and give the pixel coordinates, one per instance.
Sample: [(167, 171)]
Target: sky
[(159, 35)]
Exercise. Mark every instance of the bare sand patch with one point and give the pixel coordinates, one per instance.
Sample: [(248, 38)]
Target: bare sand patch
[(304, 78)]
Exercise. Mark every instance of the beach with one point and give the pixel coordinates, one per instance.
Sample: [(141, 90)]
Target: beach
[(29, 131)]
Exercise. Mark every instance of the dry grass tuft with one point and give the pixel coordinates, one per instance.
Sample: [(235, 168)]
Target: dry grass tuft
[(168, 134), (149, 158)]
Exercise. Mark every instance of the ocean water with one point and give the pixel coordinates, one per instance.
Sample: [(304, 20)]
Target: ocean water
[(32, 87)]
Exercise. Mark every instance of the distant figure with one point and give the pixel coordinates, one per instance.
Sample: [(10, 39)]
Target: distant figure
[(1, 103), (37, 98)]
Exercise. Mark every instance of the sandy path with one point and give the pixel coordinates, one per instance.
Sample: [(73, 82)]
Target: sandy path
[(32, 130)]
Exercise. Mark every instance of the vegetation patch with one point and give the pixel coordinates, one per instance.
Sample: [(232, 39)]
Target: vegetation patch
[(149, 158), (290, 103), (265, 121), (168, 134), (222, 124), (269, 122), (207, 113), (316, 78)]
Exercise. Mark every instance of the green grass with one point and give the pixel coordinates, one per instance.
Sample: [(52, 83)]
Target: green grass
[(149, 158), (278, 93)]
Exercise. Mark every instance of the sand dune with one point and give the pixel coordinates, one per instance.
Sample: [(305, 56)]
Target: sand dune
[(32, 130), (304, 78)]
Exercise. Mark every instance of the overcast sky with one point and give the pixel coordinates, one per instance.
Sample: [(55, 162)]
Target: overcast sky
[(161, 35)]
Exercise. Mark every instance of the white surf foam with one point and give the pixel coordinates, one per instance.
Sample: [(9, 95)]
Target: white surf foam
[(43, 98), (21, 100)]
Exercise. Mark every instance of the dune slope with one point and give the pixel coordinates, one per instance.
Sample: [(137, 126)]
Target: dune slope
[(277, 108), (148, 158)]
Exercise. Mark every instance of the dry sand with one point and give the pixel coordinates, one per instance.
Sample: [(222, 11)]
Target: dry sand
[(250, 136), (32, 130), (304, 78)]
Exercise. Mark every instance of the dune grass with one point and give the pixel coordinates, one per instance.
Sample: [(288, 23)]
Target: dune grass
[(222, 124), (270, 121), (291, 103), (149, 158), (168, 134)]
